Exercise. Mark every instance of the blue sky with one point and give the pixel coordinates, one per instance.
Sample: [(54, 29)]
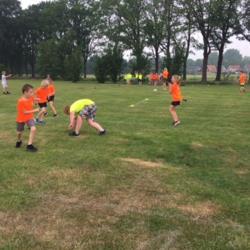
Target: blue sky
[(243, 46)]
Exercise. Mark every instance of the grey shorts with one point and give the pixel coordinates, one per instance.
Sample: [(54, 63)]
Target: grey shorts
[(20, 125), (89, 112)]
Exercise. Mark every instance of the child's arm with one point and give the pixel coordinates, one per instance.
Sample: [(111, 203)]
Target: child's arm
[(8, 76), (31, 111), (72, 119)]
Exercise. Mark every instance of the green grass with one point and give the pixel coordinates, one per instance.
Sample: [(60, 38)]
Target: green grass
[(143, 186)]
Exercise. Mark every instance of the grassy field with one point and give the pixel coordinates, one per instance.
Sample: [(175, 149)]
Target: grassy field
[(144, 186)]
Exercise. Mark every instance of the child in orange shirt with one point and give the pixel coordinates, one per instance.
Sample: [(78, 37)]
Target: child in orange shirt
[(25, 115), (166, 76), (51, 96), (175, 91), (42, 94), (243, 81), (154, 78)]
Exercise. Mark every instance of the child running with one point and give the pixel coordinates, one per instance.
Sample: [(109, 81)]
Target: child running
[(243, 81), (5, 83), (175, 91), (51, 95), (42, 94), (79, 110), (25, 115)]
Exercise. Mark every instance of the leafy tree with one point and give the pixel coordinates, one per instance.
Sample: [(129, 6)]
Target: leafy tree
[(155, 28), (131, 17), (73, 66), (232, 57), (202, 11), (224, 27), (83, 20), (10, 50), (101, 71), (48, 60)]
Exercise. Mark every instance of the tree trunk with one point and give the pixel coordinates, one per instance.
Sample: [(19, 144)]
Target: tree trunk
[(185, 70), (85, 61), (157, 60), (219, 65), (206, 53)]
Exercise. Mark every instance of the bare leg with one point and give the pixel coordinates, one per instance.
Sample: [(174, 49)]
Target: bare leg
[(52, 106), (95, 125), (41, 114), (174, 114), (79, 122), (32, 135)]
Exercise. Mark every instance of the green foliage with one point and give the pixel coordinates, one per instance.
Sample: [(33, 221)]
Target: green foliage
[(73, 66), (48, 60), (101, 71), (232, 57)]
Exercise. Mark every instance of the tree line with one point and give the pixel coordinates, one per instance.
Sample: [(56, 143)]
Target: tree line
[(60, 37)]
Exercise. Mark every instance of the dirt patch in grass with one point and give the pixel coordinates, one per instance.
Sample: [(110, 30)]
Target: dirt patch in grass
[(241, 172), (67, 216), (141, 163), (201, 210), (197, 145)]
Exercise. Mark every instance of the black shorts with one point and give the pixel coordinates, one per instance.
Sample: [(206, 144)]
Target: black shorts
[(176, 103), (43, 105), (20, 125), (51, 98)]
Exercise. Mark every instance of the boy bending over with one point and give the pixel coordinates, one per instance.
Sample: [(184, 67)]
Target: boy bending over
[(80, 110)]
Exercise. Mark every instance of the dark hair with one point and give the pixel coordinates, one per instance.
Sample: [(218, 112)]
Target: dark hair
[(26, 88)]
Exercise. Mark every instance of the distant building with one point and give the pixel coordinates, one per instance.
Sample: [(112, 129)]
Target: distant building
[(211, 69), (193, 70), (234, 69)]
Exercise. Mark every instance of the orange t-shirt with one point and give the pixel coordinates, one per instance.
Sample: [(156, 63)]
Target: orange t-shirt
[(42, 94), (176, 92), (154, 77), (23, 105), (51, 89), (243, 79), (165, 74)]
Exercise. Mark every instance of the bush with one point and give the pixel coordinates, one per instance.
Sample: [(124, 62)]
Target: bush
[(73, 66), (101, 71), (49, 61)]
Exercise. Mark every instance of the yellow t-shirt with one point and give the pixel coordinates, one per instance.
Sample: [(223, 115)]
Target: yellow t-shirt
[(79, 105), (128, 77)]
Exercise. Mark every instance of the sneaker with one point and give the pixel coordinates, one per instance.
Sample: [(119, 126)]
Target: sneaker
[(8, 93), (177, 123), (46, 114), (103, 132), (55, 115), (19, 144), (38, 122), (73, 134), (31, 148)]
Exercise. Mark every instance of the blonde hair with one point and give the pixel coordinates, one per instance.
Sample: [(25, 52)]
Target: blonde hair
[(44, 83), (177, 78)]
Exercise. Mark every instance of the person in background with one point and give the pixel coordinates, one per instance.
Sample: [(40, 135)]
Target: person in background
[(5, 83), (128, 78), (243, 79), (51, 95)]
